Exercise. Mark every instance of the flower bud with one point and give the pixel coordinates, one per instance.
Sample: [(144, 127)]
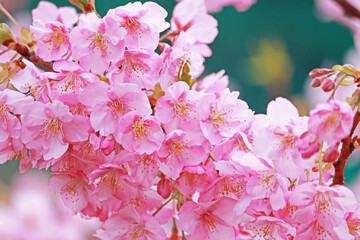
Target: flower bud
[(107, 145), (331, 154), (316, 82), (5, 33), (86, 6), (308, 144), (328, 85), (351, 71), (318, 72), (165, 187), (354, 100)]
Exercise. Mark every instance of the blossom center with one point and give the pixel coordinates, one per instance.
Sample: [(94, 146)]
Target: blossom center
[(182, 109), (354, 227), (140, 130), (52, 127), (131, 24), (332, 121), (118, 106), (137, 232), (56, 38), (177, 147), (4, 111), (111, 180), (210, 221), (98, 41)]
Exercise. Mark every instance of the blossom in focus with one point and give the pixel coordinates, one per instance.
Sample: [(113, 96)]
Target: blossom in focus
[(97, 42), (331, 121), (322, 211), (52, 40), (211, 220), (142, 22), (48, 12), (128, 224), (49, 128), (140, 134)]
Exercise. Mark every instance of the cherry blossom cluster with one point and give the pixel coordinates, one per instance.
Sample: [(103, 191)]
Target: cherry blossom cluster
[(134, 136)]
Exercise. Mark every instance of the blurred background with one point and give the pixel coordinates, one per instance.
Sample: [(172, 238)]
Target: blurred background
[(266, 51)]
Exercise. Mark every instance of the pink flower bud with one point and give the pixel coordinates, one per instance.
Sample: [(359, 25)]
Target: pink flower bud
[(317, 72), (308, 144), (165, 187), (107, 145), (328, 85), (331, 154), (316, 82)]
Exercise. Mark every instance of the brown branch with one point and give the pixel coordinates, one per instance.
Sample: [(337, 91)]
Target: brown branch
[(28, 54), (346, 150), (349, 9)]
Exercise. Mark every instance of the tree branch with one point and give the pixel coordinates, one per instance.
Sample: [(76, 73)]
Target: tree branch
[(349, 9), (346, 150), (30, 55)]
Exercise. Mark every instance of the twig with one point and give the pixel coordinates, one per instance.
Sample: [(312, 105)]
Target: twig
[(345, 152), (8, 15), (167, 35), (30, 55), (349, 9), (162, 206)]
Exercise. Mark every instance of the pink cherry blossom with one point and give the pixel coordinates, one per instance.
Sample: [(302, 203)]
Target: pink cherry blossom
[(211, 220), (331, 121), (278, 138), (140, 134), (194, 178), (191, 17), (353, 222), (183, 52), (110, 103), (49, 128), (52, 40), (112, 181), (214, 83), (97, 42), (30, 81), (143, 23), (308, 144), (228, 116), (73, 188), (266, 227), (179, 153), (322, 210), (49, 12), (139, 67), (144, 168), (128, 224), (11, 146), (72, 78), (181, 108), (268, 184)]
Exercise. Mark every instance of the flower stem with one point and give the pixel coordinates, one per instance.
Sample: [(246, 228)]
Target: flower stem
[(349, 9), (11, 18), (162, 206), (346, 149), (30, 55)]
